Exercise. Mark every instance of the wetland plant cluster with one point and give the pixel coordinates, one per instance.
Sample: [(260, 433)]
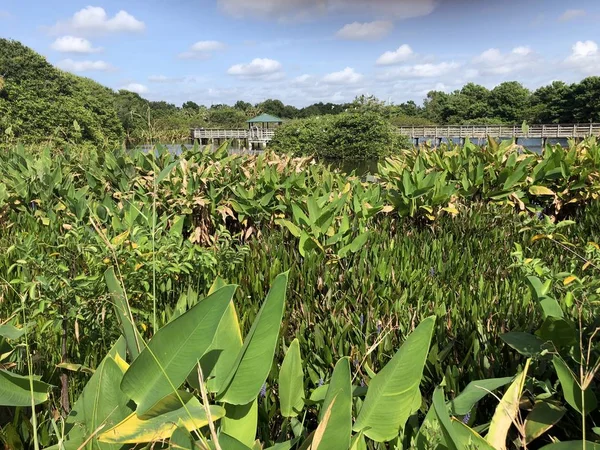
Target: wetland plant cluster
[(210, 300)]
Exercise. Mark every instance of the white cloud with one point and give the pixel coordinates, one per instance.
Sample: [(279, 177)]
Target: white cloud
[(368, 31), (207, 46), (585, 49), (346, 76), (522, 51), (494, 62), (72, 44), (286, 10), (403, 53), (428, 70), (95, 20), (5, 15), (135, 87), (165, 79), (257, 68), (84, 66), (571, 14), (202, 50), (585, 57)]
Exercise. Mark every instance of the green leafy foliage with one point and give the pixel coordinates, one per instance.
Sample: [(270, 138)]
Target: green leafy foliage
[(348, 136), (394, 393), (39, 103)]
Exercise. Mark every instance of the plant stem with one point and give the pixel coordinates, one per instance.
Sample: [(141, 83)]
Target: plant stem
[(211, 424), (64, 378), (154, 329)]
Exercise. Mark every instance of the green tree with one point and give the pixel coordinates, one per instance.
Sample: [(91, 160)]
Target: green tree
[(584, 99), (509, 101), (242, 105), (552, 103), (477, 101), (191, 106), (435, 106), (41, 103)]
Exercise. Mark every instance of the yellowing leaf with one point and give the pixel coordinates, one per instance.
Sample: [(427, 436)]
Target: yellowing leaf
[(537, 237), (540, 190), (569, 280), (507, 411), (118, 240), (160, 422)]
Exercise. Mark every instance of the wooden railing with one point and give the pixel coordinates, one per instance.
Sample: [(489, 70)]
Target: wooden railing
[(254, 134), (504, 131), (450, 131), (201, 133)]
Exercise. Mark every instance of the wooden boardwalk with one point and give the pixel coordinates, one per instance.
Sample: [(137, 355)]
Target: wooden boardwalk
[(263, 136), (503, 131), (258, 136)]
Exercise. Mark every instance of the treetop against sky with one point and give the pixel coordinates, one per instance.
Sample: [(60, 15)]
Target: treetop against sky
[(305, 51)]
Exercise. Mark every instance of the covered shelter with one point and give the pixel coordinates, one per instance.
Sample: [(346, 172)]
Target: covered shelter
[(264, 121)]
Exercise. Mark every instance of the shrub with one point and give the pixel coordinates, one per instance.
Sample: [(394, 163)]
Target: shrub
[(347, 136), (41, 103), (302, 136)]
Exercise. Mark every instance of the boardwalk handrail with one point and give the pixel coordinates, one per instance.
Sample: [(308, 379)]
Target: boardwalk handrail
[(542, 131), (503, 131)]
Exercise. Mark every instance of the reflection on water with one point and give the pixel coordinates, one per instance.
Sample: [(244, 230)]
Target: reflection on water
[(360, 168)]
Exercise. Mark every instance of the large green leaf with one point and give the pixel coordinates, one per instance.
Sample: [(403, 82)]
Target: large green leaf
[(542, 417), (241, 421), (475, 391), (558, 331), (453, 441), (572, 445), (572, 389), (506, 411), (11, 332), (469, 437), (101, 403), (255, 359), (181, 439), (525, 343), (222, 353), (338, 431), (123, 312), (180, 409), (174, 350), (391, 396), (540, 291), (16, 390), (358, 442), (228, 442), (291, 382), (101, 407)]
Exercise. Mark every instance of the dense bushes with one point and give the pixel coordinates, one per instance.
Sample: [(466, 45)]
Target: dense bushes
[(347, 136), (41, 103)]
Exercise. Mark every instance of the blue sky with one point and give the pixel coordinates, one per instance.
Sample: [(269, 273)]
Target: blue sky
[(304, 51)]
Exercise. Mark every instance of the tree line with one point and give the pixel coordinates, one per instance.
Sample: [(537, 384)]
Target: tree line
[(39, 102)]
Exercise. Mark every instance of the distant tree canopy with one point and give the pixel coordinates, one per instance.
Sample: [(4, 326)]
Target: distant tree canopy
[(39, 103), (511, 102)]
